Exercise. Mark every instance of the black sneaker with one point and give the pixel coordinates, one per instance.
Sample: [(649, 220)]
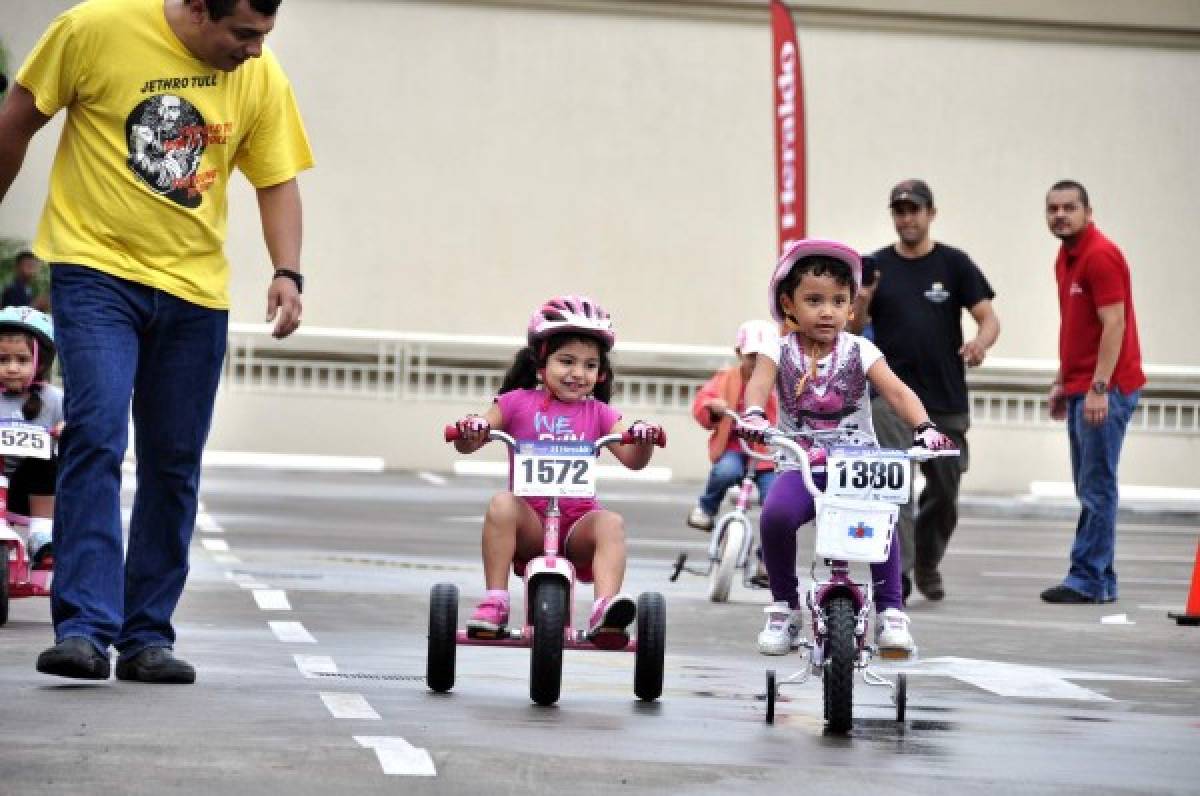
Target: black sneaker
[(1065, 594), (75, 657), (155, 665), (905, 587)]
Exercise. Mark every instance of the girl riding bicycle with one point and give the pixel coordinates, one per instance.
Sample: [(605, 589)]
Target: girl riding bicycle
[(558, 388), (820, 373), (26, 356)]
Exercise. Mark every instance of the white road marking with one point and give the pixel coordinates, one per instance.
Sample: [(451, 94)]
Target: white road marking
[(471, 519), (215, 545), (1054, 577), (291, 632), (348, 706), (252, 584), (312, 666), (991, 552), (1019, 680), (432, 478), (398, 757), (1131, 492), (665, 544), (272, 600), (226, 558), (287, 461), (1116, 619), (1035, 524), (206, 524)]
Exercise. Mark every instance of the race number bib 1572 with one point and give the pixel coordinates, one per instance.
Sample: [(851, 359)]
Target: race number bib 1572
[(25, 440), (554, 469), (868, 474)]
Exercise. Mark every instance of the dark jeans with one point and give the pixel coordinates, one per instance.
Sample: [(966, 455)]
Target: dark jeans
[(924, 539), (728, 471), (117, 341), (1095, 453)]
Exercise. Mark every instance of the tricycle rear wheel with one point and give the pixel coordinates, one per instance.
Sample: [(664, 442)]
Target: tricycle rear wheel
[(443, 632), (650, 657)]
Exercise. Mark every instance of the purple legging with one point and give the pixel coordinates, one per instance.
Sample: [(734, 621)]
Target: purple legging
[(789, 506)]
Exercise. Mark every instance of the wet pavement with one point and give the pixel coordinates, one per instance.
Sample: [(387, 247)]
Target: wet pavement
[(306, 617)]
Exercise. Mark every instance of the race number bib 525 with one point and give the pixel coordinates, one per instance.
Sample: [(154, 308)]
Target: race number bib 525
[(26, 440), (869, 474), (554, 469)]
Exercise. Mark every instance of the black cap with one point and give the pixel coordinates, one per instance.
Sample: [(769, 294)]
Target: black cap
[(915, 191)]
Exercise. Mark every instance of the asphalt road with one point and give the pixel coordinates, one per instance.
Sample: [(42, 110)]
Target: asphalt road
[(306, 616)]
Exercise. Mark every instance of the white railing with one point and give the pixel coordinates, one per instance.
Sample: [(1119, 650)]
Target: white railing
[(402, 366)]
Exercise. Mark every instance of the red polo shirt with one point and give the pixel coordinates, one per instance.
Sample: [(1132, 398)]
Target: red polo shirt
[(1092, 273)]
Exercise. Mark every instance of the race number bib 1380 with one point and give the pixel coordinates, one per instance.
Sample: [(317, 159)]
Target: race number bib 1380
[(554, 469), (869, 474), (25, 440)]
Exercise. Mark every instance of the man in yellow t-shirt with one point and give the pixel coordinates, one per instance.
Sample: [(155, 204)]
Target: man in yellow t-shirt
[(163, 99)]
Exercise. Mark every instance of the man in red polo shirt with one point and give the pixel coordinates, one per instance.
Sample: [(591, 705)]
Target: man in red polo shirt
[(1097, 387)]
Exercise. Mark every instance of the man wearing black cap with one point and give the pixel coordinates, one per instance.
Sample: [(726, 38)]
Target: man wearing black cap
[(915, 305)]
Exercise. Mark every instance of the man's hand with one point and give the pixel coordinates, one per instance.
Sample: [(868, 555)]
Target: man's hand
[(1058, 402), (1095, 408), (284, 307), (973, 353)]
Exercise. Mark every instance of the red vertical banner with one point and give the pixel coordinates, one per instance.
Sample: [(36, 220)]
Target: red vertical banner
[(789, 126)]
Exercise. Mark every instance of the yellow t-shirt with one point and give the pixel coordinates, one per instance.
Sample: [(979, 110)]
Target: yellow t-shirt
[(138, 187)]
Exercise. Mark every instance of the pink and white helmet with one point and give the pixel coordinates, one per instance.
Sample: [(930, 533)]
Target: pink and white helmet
[(571, 314), (809, 248), (755, 337)]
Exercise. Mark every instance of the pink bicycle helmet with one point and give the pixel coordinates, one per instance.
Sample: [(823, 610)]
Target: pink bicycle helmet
[(572, 314), (808, 248)]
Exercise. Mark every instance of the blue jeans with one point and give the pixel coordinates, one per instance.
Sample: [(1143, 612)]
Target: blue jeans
[(727, 471), (1095, 453), (120, 341)]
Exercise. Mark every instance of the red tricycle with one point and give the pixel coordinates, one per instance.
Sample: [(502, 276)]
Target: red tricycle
[(20, 576), (551, 470)]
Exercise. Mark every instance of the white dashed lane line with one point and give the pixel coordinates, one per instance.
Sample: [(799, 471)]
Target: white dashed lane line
[(398, 757), (291, 632), (314, 666), (432, 478), (272, 599), (348, 706)]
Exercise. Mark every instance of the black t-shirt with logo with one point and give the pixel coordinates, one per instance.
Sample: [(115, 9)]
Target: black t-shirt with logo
[(916, 313)]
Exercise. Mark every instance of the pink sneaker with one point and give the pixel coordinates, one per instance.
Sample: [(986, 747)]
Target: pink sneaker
[(608, 626), (489, 619)]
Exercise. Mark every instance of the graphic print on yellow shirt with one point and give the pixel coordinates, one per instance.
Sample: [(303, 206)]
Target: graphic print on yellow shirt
[(152, 134)]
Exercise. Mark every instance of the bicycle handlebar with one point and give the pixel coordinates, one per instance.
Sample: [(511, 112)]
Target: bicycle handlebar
[(452, 433), (746, 449)]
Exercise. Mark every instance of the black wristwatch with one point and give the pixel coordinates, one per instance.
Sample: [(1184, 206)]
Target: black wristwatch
[(1100, 387), (295, 276)]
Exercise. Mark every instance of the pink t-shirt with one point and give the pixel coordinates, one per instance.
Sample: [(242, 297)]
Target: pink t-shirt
[(536, 415)]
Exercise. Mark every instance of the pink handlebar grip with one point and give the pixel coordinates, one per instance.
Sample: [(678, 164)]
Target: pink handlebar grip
[(628, 439)]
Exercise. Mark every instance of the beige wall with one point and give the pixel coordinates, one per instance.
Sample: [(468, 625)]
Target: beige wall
[(474, 157)]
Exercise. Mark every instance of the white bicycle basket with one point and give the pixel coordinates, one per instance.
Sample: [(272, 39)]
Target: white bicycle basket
[(855, 530)]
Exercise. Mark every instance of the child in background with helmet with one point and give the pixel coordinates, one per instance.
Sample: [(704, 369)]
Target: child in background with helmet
[(820, 373), (26, 356), (558, 388), (727, 390)]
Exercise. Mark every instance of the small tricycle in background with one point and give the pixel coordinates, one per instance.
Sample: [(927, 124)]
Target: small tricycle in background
[(551, 470), (20, 576)]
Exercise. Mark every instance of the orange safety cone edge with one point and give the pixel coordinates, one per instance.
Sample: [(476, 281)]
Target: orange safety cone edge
[(1191, 614)]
